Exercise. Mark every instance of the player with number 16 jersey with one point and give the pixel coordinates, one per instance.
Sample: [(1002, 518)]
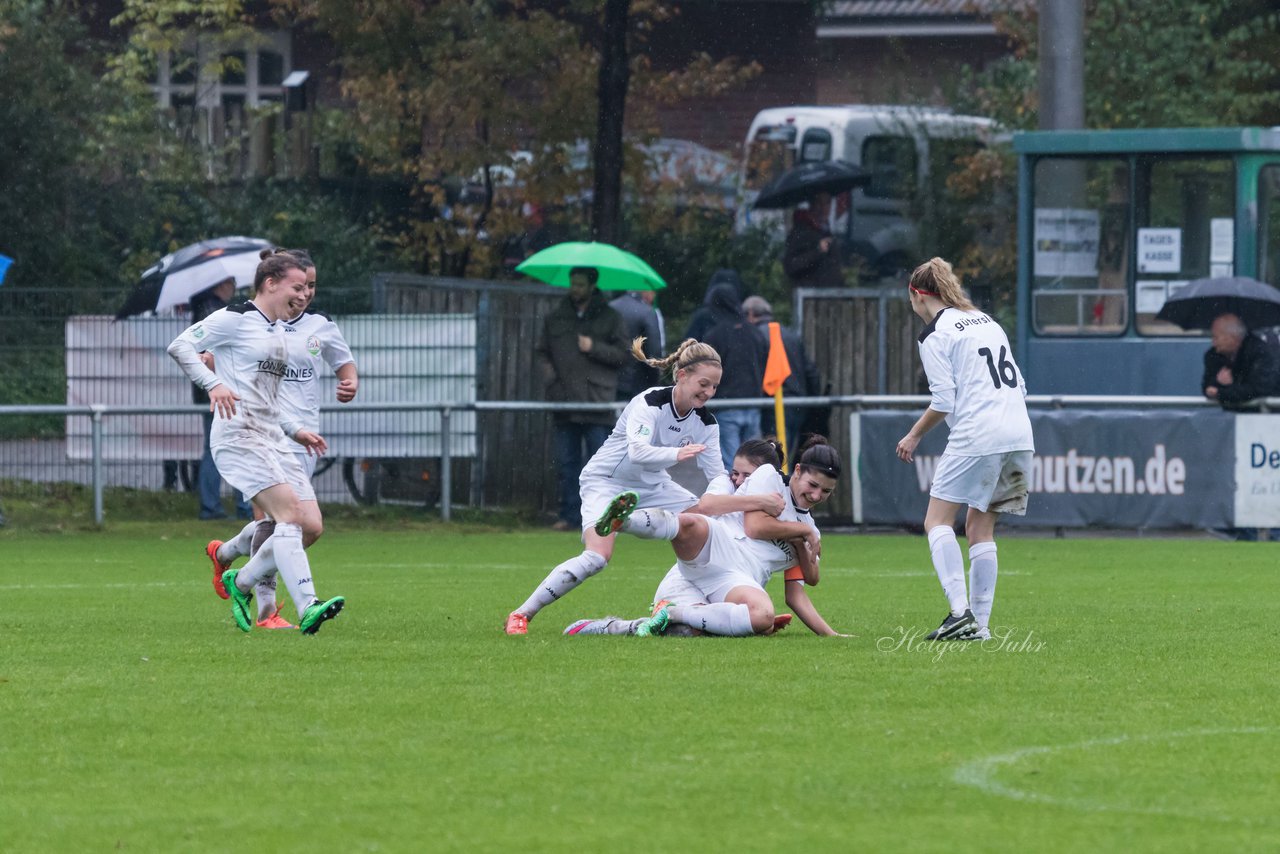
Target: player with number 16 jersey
[(976, 387), (975, 382)]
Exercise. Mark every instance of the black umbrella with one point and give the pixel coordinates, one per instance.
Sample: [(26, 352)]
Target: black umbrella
[(802, 182), (1197, 304), (176, 278)]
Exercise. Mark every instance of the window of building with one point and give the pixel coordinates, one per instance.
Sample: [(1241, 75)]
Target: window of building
[(211, 76), (891, 160)]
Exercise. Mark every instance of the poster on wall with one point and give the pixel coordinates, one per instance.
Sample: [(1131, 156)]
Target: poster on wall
[(1066, 242), (1159, 250)]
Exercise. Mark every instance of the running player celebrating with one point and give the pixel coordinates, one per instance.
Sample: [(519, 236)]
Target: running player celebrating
[(978, 390), (660, 427), (249, 447), (314, 343)]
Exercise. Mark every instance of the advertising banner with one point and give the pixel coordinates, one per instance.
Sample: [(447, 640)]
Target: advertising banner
[(1257, 471), (1104, 468)]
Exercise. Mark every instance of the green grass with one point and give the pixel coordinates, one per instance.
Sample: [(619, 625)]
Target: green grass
[(1131, 706)]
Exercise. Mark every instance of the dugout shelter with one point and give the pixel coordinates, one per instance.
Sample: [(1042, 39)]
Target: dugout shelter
[(1111, 224)]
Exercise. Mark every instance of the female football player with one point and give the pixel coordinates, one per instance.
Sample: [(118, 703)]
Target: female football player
[(676, 590), (978, 390), (730, 559), (314, 342), (658, 428), (249, 446)]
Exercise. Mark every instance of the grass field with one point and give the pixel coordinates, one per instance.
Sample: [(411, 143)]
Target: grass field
[(1130, 706)]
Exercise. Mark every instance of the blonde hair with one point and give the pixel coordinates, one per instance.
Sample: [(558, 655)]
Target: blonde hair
[(690, 352), (935, 278)]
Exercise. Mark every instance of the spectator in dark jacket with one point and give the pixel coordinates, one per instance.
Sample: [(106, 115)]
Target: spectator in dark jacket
[(743, 351), (1238, 366), (811, 258), (805, 381), (582, 344), (723, 301), (640, 318)]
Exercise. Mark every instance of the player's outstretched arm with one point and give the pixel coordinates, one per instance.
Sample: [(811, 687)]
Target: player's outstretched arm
[(802, 606)]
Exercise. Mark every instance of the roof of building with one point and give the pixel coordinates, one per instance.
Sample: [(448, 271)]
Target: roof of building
[(908, 18)]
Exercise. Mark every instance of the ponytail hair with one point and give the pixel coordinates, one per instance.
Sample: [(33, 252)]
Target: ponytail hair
[(761, 452), (690, 352), (817, 455), (274, 264), (935, 278)]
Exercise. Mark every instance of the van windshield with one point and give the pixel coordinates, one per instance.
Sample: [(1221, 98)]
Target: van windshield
[(769, 154)]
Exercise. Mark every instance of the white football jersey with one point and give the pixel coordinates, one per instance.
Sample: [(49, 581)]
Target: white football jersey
[(975, 381), (770, 555), (250, 356), (647, 437), (313, 341)]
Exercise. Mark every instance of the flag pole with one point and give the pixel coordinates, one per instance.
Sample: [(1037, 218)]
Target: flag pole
[(776, 371), (780, 419)]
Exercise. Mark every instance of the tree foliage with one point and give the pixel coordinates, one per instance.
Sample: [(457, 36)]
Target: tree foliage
[(446, 91)]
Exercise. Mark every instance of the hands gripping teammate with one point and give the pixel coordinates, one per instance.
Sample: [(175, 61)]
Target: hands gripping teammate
[(659, 427), (978, 390), (314, 342)]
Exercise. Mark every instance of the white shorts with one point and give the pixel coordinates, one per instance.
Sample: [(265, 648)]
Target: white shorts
[(253, 468), (678, 590), (723, 564), (997, 482), (308, 463), (597, 493)]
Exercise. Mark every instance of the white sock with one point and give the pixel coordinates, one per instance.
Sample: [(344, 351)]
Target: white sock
[(982, 580), (562, 579), (238, 546), (291, 561), (653, 524), (265, 592), (720, 618), (262, 533), (949, 564)]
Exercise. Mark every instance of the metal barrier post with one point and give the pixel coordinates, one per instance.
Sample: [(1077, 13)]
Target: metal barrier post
[(96, 420), (446, 467)]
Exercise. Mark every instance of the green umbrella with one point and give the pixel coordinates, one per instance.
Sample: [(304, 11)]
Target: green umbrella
[(619, 270)]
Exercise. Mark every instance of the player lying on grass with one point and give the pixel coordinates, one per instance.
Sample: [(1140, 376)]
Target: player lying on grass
[(313, 341), (660, 427), (249, 445), (730, 559), (677, 591)]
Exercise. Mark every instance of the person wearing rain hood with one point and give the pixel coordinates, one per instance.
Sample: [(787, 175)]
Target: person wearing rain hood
[(723, 301)]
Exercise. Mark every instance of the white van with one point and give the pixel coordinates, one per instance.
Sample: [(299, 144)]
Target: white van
[(907, 150)]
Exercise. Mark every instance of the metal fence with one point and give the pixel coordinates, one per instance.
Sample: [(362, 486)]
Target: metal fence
[(437, 482)]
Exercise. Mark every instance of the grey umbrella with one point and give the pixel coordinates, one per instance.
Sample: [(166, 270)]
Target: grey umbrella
[(1197, 304)]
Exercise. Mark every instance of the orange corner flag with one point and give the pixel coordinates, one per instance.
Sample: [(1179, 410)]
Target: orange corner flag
[(777, 369)]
